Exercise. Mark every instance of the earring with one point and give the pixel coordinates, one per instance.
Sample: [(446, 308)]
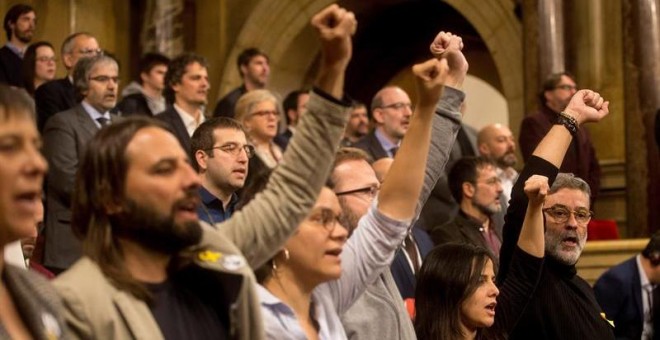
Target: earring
[(286, 258), (286, 254)]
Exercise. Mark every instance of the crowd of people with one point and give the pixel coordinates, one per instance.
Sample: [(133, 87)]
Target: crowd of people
[(294, 218)]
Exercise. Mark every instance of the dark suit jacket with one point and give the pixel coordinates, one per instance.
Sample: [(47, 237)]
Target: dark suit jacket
[(66, 136), (401, 271), (462, 229), (53, 97), (11, 68), (226, 105), (134, 104), (580, 158), (282, 140), (618, 292), (371, 146), (173, 120)]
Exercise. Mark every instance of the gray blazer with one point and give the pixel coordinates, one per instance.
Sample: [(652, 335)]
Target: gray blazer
[(65, 135), (40, 307)]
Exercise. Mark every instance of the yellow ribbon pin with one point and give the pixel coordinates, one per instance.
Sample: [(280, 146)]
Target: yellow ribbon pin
[(605, 318), (209, 256)]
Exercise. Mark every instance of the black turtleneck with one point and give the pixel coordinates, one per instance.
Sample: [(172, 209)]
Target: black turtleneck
[(563, 305)]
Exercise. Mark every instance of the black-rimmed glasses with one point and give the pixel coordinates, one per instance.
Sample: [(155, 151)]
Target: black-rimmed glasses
[(235, 149), (372, 191)]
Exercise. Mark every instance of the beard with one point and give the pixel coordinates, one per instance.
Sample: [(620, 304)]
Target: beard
[(555, 248), (24, 37), (487, 209), (154, 230), (348, 218), (507, 160)]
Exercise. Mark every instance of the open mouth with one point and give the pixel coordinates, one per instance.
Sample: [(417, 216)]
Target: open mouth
[(491, 308), (28, 200), (570, 241), (334, 252)]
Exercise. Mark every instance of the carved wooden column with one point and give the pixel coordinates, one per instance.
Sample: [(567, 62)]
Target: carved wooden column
[(162, 29), (642, 91)]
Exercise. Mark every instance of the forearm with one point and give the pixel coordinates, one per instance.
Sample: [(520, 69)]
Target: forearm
[(531, 238), (554, 145)]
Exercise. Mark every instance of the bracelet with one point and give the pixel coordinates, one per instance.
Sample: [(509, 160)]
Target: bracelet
[(568, 122)]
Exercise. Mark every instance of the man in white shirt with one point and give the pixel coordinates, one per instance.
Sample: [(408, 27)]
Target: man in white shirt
[(186, 91)]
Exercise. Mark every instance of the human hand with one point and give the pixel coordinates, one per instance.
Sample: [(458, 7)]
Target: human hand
[(335, 26), (536, 188), (448, 46), (587, 106), (430, 77)]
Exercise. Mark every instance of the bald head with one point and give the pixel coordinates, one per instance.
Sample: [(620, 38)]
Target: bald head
[(496, 142), (392, 109)]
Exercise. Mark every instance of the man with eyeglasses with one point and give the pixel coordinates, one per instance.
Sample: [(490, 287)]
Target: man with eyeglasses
[(186, 90), (220, 155), (19, 25), (580, 159), (391, 109), (66, 136), (60, 94), (474, 184), (563, 305)]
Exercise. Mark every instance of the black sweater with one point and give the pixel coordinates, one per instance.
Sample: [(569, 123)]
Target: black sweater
[(563, 305)]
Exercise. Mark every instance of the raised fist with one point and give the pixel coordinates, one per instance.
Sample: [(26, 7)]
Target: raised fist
[(430, 77), (587, 106), (445, 41), (536, 188), (335, 26), (448, 46)]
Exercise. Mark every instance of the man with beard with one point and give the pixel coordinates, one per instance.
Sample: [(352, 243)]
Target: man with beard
[(358, 124), (391, 109), (496, 143), (151, 270), (186, 89), (66, 136), (380, 313), (473, 183), (254, 68), (580, 159), (19, 26), (563, 305)]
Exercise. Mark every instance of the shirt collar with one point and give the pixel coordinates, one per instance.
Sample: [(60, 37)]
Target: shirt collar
[(94, 114), (188, 121), (384, 142), (19, 52), (643, 279)]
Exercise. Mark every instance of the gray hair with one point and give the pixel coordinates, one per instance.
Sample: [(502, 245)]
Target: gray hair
[(570, 181), (249, 100), (83, 69)]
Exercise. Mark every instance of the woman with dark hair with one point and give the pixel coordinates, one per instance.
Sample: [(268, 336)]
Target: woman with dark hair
[(30, 306), (456, 296), (39, 65)]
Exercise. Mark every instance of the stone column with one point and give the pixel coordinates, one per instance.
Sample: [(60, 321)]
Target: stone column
[(551, 37), (162, 29), (642, 90)]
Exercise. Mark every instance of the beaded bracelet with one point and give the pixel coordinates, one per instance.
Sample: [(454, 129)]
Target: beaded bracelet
[(568, 122)]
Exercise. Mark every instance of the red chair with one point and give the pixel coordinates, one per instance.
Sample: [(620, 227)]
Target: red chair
[(602, 230)]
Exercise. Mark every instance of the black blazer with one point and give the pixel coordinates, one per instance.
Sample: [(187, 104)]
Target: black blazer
[(618, 292), (11, 68), (371, 146), (134, 104), (401, 272), (225, 106), (172, 119), (53, 97)]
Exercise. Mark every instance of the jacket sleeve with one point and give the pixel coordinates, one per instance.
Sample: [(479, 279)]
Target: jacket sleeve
[(61, 152), (263, 226)]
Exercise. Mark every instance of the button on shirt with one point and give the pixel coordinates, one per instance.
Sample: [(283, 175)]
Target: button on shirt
[(211, 210), (188, 121), (647, 302)]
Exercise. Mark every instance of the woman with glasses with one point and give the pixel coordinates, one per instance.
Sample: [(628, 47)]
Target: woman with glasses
[(30, 307), (319, 273), (258, 111), (39, 65)]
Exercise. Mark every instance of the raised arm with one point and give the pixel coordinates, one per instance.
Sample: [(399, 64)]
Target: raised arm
[(585, 106), (262, 227), (399, 193)]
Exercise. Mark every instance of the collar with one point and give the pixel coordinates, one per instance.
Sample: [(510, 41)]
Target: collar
[(208, 198), (508, 173), (273, 302), (384, 142), (563, 270), (188, 121), (643, 279), (93, 113), (17, 50)]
